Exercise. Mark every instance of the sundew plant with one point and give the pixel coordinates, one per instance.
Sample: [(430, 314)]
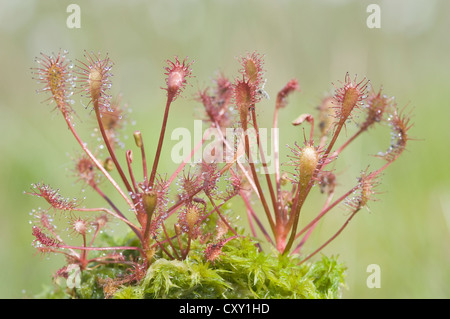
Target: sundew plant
[(184, 240)]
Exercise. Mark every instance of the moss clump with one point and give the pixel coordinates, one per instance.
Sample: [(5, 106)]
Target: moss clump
[(241, 272)]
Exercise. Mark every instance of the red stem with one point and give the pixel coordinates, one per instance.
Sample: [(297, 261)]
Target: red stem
[(313, 226), (119, 213), (281, 216), (97, 163), (128, 156), (160, 142), (298, 203), (170, 242), (332, 237), (326, 210), (340, 149), (109, 147), (220, 214), (186, 160), (252, 214), (256, 181), (103, 248), (264, 164)]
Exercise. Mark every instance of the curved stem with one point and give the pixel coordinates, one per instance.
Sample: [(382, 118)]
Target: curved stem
[(252, 214), (107, 211), (97, 163), (341, 148), (103, 248), (186, 160), (313, 226), (118, 212), (326, 210), (235, 160), (220, 214), (170, 242), (332, 237)]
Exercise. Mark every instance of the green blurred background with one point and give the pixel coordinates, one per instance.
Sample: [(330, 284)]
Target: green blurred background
[(407, 232)]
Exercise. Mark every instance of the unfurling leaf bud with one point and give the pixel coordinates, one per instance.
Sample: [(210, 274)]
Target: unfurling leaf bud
[(304, 117), (138, 138), (289, 88)]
